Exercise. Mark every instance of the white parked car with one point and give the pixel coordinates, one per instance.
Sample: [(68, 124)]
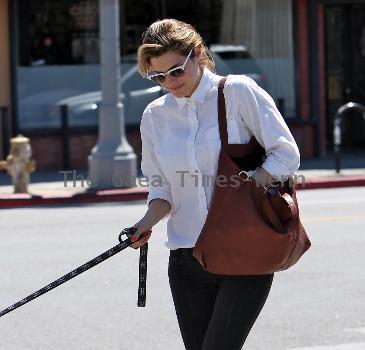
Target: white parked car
[(240, 61), (42, 110)]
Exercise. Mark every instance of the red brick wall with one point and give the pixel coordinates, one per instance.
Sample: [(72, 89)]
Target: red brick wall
[(80, 149), (47, 150), (302, 59), (321, 81), (303, 135), (134, 139)]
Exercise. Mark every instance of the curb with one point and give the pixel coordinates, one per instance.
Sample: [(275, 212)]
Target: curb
[(25, 200), (20, 200), (332, 182)]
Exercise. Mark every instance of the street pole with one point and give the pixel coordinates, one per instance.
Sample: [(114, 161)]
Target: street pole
[(112, 162)]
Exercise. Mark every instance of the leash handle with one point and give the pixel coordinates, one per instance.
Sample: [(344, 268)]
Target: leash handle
[(142, 278), (142, 275)]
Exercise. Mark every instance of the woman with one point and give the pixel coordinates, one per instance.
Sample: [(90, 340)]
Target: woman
[(180, 145)]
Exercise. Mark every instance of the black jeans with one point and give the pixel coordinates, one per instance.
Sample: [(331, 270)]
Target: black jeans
[(214, 312)]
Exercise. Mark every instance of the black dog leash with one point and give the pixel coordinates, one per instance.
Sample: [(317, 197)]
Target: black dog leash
[(106, 255)]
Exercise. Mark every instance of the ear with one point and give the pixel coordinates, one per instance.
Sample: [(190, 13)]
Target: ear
[(198, 52)]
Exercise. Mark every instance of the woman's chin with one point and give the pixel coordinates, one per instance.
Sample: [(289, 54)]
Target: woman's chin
[(178, 93)]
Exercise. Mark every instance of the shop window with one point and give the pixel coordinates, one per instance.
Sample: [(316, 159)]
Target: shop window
[(59, 52), (58, 32)]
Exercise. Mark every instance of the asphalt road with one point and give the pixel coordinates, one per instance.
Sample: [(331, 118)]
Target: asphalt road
[(319, 304)]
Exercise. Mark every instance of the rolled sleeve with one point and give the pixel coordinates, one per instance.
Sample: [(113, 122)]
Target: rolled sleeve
[(158, 185), (259, 113)]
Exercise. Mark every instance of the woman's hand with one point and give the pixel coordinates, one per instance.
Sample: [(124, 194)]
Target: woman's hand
[(157, 209), (262, 177), (142, 235)]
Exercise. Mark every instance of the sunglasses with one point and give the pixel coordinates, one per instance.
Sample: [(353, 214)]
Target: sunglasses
[(176, 72)]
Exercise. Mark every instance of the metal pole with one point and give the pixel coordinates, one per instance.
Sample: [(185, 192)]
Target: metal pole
[(65, 136), (112, 162), (5, 130), (337, 141)]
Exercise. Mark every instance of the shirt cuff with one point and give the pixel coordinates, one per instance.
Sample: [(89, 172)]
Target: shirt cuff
[(158, 194), (276, 168)]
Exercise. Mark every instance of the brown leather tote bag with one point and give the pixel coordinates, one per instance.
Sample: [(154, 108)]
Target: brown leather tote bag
[(249, 230)]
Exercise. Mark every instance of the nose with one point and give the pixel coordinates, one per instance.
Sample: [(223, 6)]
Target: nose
[(170, 78), (170, 82)]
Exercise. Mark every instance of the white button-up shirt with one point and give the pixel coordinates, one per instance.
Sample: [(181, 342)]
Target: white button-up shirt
[(181, 145)]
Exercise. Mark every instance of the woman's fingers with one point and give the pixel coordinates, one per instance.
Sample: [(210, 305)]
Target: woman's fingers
[(140, 238), (139, 235), (145, 237)]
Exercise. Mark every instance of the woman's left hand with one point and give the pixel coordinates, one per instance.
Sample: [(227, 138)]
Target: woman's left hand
[(262, 177)]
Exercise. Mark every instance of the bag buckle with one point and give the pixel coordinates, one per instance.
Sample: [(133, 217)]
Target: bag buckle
[(244, 175)]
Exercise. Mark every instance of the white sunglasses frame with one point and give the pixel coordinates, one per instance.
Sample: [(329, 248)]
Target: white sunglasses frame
[(151, 76)]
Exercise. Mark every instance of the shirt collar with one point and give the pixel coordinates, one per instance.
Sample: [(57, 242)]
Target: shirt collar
[(205, 84)]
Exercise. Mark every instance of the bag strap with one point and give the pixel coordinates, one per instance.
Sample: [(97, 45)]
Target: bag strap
[(234, 150), (222, 120), (266, 207)]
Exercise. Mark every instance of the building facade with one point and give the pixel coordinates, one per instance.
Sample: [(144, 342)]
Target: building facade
[(308, 54)]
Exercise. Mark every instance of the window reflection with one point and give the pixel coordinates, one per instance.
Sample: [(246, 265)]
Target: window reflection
[(58, 32), (59, 52)]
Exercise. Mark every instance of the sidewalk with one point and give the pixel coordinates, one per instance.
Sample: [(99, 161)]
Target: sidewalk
[(49, 188)]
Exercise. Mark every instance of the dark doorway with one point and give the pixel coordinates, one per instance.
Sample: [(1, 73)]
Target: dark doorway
[(345, 70)]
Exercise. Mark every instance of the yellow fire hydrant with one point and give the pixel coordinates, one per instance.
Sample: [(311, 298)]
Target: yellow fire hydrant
[(18, 163)]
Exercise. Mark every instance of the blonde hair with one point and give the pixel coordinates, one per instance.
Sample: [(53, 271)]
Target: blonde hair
[(171, 35)]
